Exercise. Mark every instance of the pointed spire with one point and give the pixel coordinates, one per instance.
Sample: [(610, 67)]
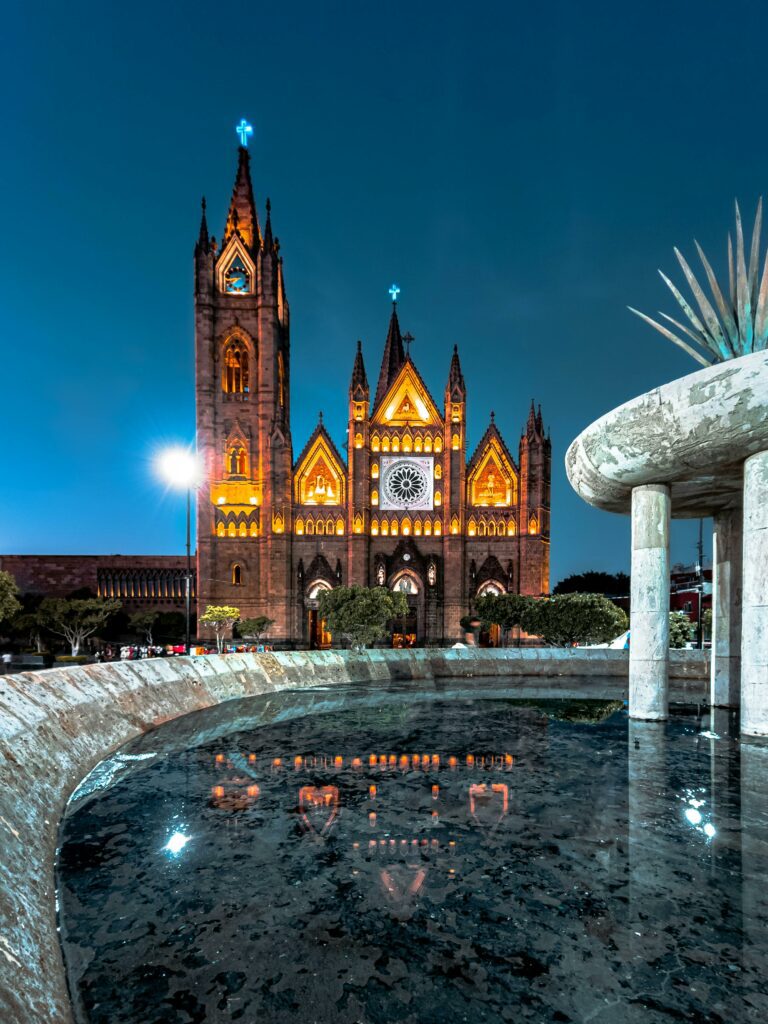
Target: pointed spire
[(268, 226), (455, 376), (203, 242), (393, 358), (359, 377), (539, 422), (320, 418), (242, 216), (530, 426), (493, 417)]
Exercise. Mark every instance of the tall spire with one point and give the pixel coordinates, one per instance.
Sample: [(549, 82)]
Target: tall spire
[(359, 377), (268, 226), (203, 241), (393, 358), (455, 376), (539, 422), (242, 216)]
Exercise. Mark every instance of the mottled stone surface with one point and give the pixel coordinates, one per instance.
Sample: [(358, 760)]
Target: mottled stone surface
[(649, 651), (692, 434), (56, 726), (754, 627)]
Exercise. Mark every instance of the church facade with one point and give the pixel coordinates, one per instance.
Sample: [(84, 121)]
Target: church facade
[(402, 503)]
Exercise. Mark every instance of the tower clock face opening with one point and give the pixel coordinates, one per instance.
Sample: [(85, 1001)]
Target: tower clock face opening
[(406, 483)]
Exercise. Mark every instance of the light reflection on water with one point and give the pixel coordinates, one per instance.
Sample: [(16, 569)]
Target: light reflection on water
[(455, 860)]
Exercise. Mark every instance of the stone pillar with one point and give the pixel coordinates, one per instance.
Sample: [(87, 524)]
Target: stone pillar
[(649, 624), (754, 627), (726, 609), (754, 852)]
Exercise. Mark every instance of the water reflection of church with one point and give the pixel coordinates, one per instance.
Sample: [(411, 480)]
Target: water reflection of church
[(408, 508)]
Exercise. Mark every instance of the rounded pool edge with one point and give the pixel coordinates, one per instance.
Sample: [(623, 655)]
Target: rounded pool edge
[(56, 726)]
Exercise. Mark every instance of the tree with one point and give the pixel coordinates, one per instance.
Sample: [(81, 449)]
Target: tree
[(503, 610), (144, 623), (706, 623), (568, 619), (252, 629), (360, 614), (681, 629), (592, 582), (76, 618), (221, 618), (9, 593)]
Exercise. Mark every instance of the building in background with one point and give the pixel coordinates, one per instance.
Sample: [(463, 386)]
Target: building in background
[(402, 503)]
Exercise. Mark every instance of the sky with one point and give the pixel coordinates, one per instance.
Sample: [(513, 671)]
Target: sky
[(520, 170)]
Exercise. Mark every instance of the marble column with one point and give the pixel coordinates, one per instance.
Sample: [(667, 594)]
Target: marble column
[(649, 622), (754, 860), (726, 609), (754, 624)]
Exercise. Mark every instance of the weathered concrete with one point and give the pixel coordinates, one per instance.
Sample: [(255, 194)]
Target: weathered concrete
[(692, 434), (649, 649), (754, 636), (726, 609)]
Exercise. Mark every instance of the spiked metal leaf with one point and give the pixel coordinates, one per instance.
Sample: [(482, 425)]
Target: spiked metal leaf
[(727, 328)]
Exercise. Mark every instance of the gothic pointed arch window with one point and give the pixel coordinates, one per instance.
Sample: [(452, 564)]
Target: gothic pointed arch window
[(472, 528), (232, 530), (320, 528), (427, 527), (418, 444), (438, 444), (237, 575), (406, 527), (243, 530), (236, 367), (438, 528), (221, 530), (310, 527), (254, 530), (299, 526), (339, 527), (237, 459), (375, 528), (501, 529), (533, 525)]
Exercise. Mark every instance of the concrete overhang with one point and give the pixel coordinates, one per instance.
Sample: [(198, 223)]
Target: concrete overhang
[(692, 434)]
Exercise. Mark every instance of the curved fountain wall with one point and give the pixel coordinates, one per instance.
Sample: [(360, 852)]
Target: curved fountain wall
[(56, 726)]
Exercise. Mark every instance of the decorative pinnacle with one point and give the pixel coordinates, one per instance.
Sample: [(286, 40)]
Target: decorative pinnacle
[(320, 417), (493, 416)]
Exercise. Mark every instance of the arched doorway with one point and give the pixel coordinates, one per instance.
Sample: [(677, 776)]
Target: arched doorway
[(491, 637), (319, 637), (405, 629)]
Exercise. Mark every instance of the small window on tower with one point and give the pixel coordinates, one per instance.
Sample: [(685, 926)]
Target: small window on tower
[(237, 279), (236, 368), (237, 576)]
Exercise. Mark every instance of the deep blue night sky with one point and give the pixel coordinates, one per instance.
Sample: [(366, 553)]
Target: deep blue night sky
[(520, 170)]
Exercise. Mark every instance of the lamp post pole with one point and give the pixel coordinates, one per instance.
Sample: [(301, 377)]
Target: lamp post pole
[(188, 589)]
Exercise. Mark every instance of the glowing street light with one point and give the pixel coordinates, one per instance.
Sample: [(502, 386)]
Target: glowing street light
[(181, 468)]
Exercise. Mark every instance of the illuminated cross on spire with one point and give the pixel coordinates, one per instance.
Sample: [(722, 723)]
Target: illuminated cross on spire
[(394, 291), (244, 130)]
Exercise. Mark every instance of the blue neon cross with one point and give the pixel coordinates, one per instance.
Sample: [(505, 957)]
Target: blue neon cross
[(244, 130), (394, 291)]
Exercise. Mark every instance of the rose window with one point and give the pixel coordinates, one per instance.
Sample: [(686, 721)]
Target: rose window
[(406, 484)]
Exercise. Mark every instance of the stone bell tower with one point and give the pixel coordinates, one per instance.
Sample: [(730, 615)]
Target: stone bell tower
[(242, 376)]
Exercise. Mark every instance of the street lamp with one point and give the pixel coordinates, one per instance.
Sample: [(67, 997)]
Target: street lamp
[(180, 467)]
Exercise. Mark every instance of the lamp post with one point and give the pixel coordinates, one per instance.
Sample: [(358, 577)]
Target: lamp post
[(180, 467)]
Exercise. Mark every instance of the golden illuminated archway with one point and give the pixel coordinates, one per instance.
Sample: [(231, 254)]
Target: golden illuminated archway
[(492, 481), (320, 478)]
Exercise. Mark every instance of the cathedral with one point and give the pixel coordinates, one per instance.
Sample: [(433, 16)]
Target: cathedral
[(402, 503)]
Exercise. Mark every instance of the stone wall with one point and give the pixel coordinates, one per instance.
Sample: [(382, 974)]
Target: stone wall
[(56, 726)]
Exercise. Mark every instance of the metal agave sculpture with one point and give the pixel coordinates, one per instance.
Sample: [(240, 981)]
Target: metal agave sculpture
[(735, 327)]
